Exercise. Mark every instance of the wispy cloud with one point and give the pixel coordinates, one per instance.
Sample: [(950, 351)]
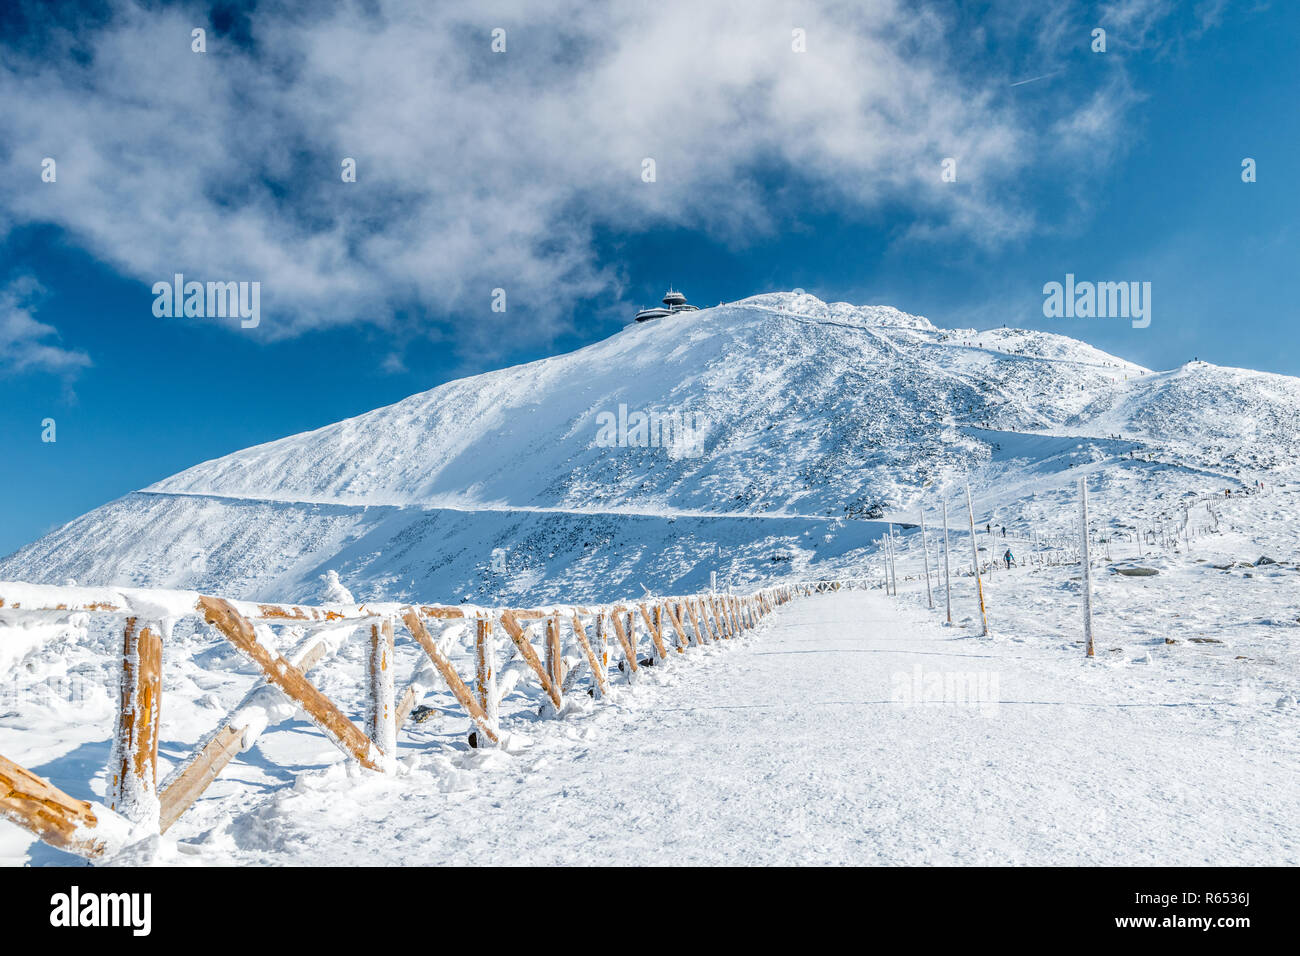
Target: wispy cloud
[(27, 345), (479, 170)]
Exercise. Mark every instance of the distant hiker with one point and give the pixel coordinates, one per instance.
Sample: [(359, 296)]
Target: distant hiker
[(1004, 531), (988, 529), (1008, 558)]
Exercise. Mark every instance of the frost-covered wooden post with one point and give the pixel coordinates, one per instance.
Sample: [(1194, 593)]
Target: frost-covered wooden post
[(485, 663), (713, 582), (947, 567), (602, 643), (925, 550), (382, 724), (554, 652), (133, 764), (975, 557), (1087, 566)]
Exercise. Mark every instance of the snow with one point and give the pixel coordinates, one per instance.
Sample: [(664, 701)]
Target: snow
[(816, 740)]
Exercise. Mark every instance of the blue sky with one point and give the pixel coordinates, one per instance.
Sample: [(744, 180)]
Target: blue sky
[(775, 169)]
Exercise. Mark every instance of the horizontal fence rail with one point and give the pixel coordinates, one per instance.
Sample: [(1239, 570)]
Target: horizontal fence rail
[(608, 638)]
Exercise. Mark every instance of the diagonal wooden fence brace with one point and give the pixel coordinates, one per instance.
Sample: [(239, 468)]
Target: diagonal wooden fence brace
[(592, 660), (629, 652), (695, 623), (683, 640), (183, 788), (458, 688), (40, 807), (724, 625), (511, 624), (319, 708), (708, 624), (655, 636)]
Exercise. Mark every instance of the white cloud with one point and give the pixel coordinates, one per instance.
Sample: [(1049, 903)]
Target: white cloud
[(28, 345), (478, 170)]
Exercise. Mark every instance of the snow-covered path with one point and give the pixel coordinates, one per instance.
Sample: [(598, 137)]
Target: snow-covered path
[(792, 747)]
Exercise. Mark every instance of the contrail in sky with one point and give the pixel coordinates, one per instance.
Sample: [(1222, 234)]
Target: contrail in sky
[(1033, 79)]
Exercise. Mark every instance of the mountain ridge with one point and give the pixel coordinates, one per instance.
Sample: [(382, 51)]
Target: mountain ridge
[(821, 420)]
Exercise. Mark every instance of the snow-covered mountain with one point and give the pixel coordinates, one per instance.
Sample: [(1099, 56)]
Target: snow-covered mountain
[(794, 428)]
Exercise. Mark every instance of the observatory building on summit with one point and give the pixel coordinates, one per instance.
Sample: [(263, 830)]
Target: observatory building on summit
[(673, 302)]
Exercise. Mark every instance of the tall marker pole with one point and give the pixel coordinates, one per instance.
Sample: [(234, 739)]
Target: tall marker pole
[(925, 550), (893, 571), (947, 568), (975, 557), (1087, 566)]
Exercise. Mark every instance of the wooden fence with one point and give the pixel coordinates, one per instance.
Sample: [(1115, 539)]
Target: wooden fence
[(139, 805)]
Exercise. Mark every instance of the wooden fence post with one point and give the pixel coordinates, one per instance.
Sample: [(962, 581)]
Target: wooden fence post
[(602, 642), (383, 704), (485, 661), (632, 637), (554, 651), (133, 766)]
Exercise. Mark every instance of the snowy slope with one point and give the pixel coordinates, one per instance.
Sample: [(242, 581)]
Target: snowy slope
[(813, 417)]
